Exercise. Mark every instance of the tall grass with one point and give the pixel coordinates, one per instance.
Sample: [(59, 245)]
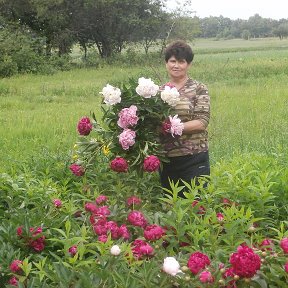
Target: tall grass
[(248, 96)]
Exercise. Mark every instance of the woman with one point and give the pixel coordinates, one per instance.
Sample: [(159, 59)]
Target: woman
[(188, 154)]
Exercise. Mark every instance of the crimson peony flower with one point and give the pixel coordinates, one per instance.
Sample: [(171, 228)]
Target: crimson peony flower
[(153, 232), (284, 245), (140, 248), (245, 262), (84, 126), (169, 84), (124, 232), (72, 250), (197, 262), (103, 211), (77, 170), (37, 241), (57, 203), (206, 277), (133, 200), (103, 238), (266, 244), (19, 231), (15, 266), (91, 207), (136, 218), (101, 199), (229, 273), (166, 127), (151, 163), (119, 164), (201, 209), (13, 281)]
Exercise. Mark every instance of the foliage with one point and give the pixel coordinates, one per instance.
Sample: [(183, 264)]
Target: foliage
[(27, 200)]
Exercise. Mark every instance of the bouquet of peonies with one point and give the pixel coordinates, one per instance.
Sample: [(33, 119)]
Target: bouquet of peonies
[(134, 116)]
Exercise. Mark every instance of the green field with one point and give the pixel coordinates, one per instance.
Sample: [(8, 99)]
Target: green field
[(247, 82)]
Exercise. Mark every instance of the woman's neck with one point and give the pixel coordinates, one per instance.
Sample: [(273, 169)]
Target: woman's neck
[(179, 82)]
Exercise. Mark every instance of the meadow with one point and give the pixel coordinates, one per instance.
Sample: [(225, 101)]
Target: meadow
[(247, 87), (98, 228)]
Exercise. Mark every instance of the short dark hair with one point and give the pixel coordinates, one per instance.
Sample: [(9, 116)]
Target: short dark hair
[(180, 50)]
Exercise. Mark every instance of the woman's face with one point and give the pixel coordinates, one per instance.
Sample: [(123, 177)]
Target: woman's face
[(177, 68)]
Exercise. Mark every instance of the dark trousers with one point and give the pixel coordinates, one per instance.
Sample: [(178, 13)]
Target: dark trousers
[(185, 168)]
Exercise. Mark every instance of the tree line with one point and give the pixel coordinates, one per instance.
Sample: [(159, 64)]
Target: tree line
[(40, 28)]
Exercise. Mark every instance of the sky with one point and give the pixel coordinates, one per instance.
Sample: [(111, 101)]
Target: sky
[(234, 9)]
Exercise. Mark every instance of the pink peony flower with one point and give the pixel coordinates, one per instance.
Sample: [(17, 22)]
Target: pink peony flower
[(72, 250), (173, 126), (128, 117), (245, 262), (136, 218), (284, 245), (176, 126), (151, 163), (127, 138), (153, 232), (286, 267), (206, 277), (84, 126), (15, 266), (140, 248), (13, 281), (133, 200), (197, 262), (77, 169), (101, 199), (119, 164), (220, 217), (57, 203)]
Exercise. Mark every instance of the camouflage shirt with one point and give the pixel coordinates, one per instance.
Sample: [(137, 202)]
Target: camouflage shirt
[(194, 104)]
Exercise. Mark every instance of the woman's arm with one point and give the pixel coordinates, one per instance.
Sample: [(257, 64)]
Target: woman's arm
[(201, 113), (192, 126)]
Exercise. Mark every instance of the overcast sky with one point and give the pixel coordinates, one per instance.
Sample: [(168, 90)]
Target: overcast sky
[(243, 9)]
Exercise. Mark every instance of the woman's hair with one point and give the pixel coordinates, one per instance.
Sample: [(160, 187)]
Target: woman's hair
[(180, 50)]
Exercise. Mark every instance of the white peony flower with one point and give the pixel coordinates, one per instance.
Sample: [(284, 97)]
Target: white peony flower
[(115, 250), (146, 88), (176, 125), (111, 95), (170, 95), (171, 266)]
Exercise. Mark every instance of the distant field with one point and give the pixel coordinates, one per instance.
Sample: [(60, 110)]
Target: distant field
[(248, 90)]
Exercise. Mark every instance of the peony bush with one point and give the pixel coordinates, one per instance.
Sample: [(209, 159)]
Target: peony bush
[(88, 234)]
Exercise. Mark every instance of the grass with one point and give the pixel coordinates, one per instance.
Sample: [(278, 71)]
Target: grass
[(248, 96)]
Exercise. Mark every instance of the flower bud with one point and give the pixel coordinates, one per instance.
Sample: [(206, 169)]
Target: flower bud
[(115, 250)]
